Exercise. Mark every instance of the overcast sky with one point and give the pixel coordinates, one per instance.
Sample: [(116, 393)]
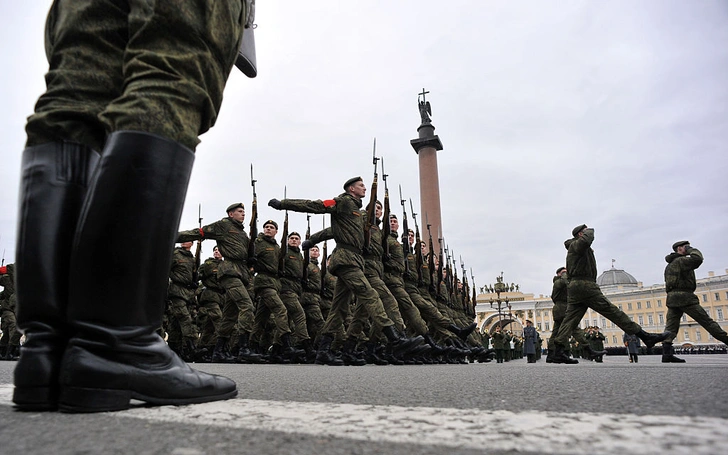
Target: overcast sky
[(551, 114)]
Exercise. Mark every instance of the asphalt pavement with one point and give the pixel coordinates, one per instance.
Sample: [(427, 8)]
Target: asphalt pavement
[(514, 407)]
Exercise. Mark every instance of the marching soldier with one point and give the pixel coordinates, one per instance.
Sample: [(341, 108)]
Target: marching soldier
[(311, 297), (347, 264), (10, 340), (681, 299), (232, 240), (291, 289), (180, 298), (211, 300)]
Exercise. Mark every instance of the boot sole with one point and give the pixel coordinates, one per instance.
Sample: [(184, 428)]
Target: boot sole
[(35, 399), (85, 400)]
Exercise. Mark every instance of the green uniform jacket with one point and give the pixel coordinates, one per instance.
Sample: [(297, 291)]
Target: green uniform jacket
[(313, 283), (394, 264), (232, 241), (559, 293), (373, 257), (680, 281), (210, 274), (181, 275), (580, 260), (266, 265), (347, 227), (499, 341), (293, 272)]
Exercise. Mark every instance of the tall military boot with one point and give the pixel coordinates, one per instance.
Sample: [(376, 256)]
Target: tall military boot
[(349, 355), (668, 354), (561, 357), (3, 352), (245, 355), (400, 344), (462, 332), (117, 294), (436, 349), (220, 353), (53, 183), (324, 356), (651, 339), (289, 351), (13, 352)]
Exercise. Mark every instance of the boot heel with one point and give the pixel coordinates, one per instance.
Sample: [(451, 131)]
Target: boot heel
[(35, 399), (81, 399)]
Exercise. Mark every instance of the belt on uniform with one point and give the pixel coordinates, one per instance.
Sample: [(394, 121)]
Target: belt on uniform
[(349, 248)]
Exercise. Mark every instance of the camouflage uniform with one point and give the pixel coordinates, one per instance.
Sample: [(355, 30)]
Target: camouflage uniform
[(211, 300), (394, 268), (232, 241), (267, 286), (347, 261), (10, 340), (421, 298), (122, 79), (584, 292), (181, 295), (559, 295), (311, 299), (680, 285), (291, 289)]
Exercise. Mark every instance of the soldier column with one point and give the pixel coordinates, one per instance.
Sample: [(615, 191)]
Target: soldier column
[(426, 147)]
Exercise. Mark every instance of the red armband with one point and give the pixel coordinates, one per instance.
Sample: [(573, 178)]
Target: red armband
[(202, 233), (329, 203), (4, 270)]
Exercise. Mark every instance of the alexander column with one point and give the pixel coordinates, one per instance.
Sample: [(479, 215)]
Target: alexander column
[(426, 147)]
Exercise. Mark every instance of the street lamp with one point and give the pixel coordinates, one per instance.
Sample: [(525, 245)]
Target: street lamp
[(499, 287)]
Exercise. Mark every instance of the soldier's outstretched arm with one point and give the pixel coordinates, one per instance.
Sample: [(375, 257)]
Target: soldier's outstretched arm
[(320, 236), (205, 232), (304, 205)]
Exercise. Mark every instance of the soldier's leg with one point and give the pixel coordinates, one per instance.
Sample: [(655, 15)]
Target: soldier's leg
[(701, 317), (574, 313), (429, 311), (180, 314), (672, 322), (296, 316), (314, 319), (353, 278), (389, 303), (603, 306), (262, 314), (339, 310), (410, 314), (270, 298)]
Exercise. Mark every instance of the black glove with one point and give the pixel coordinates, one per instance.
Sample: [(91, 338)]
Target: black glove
[(275, 203), (306, 245), (251, 261)]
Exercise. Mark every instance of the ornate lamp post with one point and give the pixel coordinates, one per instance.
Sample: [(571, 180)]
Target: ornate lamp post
[(499, 287)]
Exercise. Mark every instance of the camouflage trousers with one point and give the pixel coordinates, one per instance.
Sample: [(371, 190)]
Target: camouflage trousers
[(351, 283), (10, 335), (582, 296), (210, 303), (311, 303), (269, 305), (237, 308), (137, 65), (296, 316), (559, 312), (410, 314), (695, 311), (391, 308)]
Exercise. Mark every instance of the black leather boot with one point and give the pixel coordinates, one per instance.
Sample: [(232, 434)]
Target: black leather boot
[(324, 356), (651, 339), (288, 351), (668, 354), (220, 354), (349, 354), (462, 332), (117, 293), (53, 183), (436, 348), (561, 357), (400, 345), (245, 355), (372, 356)]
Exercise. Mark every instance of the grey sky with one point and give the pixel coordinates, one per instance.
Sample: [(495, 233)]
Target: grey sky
[(551, 114)]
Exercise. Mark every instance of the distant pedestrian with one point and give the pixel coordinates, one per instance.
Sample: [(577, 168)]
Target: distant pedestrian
[(632, 343)]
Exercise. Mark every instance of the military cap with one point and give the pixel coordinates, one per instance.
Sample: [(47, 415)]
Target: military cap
[(560, 269), (352, 181), (234, 206), (578, 229), (392, 215), (680, 243), (294, 233), (271, 222)]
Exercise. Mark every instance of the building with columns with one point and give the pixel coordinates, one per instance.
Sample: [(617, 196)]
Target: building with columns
[(644, 304)]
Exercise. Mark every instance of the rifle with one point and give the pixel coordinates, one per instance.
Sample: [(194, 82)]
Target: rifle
[(386, 228), (474, 300), (324, 260), (306, 254), (418, 247), (440, 263), (405, 234), (431, 260), (466, 289), (372, 207), (198, 251), (253, 218), (284, 242)]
